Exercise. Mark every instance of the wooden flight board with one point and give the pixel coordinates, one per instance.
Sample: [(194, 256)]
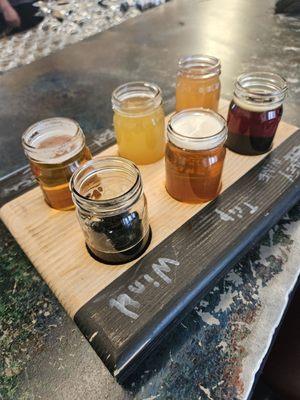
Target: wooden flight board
[(125, 310)]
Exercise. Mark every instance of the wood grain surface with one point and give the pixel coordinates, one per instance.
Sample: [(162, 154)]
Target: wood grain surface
[(54, 242)]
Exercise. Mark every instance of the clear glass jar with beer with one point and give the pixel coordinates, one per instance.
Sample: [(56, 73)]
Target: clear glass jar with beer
[(195, 155), (112, 209), (55, 148), (198, 82), (139, 122), (255, 112)]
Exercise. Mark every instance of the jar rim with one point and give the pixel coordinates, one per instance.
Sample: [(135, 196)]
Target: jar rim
[(149, 93), (261, 87), (35, 130), (200, 64), (197, 143), (105, 163)]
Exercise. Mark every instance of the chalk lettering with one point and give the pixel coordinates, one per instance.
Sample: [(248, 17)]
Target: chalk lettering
[(287, 176), (122, 301), (148, 278), (293, 156), (137, 287), (253, 209), (236, 212), (104, 137), (162, 267), (268, 171), (224, 216)]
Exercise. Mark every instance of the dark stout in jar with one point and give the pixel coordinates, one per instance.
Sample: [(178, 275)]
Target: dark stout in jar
[(111, 209), (255, 112), (55, 148), (195, 155)]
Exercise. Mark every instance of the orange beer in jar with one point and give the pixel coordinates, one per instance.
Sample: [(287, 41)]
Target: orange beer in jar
[(139, 122), (55, 148), (198, 82), (195, 155)]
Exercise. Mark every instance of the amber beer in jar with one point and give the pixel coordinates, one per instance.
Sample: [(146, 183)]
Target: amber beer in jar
[(55, 148), (198, 82), (195, 155)]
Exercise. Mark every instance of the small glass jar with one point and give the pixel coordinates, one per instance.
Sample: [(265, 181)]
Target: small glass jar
[(139, 122), (55, 148), (111, 209), (198, 83), (255, 112), (195, 155)]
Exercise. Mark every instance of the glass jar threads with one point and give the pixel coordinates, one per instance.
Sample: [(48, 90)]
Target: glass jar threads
[(55, 148), (112, 209), (198, 83), (255, 112), (139, 122), (195, 155)]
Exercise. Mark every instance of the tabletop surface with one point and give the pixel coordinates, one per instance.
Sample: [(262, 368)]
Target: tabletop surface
[(216, 351)]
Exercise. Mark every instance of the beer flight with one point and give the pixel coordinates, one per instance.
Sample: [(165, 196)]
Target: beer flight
[(108, 191)]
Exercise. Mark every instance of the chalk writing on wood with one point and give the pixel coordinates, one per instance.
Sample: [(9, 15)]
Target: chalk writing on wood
[(275, 166), (292, 171), (128, 306), (236, 212), (269, 170)]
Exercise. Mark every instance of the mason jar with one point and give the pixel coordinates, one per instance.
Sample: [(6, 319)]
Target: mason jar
[(55, 148), (112, 209), (139, 122), (198, 82), (195, 155), (255, 112)]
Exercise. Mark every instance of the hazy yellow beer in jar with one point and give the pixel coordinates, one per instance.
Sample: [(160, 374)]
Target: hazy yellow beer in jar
[(198, 83), (139, 122)]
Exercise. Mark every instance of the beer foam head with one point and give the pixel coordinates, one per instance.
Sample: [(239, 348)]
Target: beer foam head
[(255, 107), (259, 91), (53, 140), (197, 129)]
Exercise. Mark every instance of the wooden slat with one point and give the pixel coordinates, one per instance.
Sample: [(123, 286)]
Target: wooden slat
[(54, 242), (126, 320)]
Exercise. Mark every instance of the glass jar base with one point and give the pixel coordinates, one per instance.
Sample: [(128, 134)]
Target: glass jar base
[(243, 147), (70, 207), (249, 145), (193, 200), (122, 257)]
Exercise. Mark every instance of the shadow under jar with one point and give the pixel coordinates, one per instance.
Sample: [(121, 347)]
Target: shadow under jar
[(198, 82), (139, 122), (55, 148), (255, 112), (195, 155), (111, 209)]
